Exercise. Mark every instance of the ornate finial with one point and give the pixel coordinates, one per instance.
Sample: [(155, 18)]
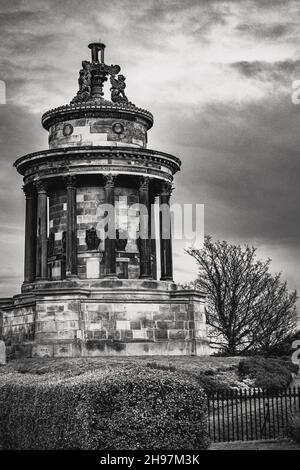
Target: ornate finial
[(95, 48), (94, 74)]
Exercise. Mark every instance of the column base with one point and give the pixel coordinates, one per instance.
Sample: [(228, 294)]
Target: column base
[(71, 276), (111, 276)]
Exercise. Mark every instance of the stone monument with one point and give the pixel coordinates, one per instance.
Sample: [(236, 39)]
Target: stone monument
[(86, 292)]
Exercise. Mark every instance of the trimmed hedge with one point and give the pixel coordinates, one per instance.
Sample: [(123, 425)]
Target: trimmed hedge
[(268, 373), (119, 408)]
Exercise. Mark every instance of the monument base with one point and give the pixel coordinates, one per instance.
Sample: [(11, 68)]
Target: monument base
[(105, 317)]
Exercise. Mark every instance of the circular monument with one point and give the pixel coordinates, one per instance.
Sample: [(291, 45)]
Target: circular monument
[(98, 276)]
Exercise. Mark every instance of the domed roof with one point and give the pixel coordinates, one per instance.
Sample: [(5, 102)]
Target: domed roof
[(89, 100)]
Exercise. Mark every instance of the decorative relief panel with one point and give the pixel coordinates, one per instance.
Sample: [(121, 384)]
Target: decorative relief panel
[(95, 131), (67, 130)]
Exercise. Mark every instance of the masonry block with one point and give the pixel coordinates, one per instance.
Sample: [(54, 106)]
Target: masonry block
[(107, 324)]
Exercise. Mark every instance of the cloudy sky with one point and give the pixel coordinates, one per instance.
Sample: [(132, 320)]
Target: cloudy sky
[(216, 75)]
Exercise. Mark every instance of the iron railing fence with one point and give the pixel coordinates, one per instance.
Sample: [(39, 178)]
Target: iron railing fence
[(251, 414)]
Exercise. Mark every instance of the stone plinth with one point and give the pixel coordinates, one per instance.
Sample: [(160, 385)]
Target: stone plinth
[(107, 317)]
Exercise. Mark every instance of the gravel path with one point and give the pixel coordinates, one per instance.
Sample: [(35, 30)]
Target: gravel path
[(280, 444)]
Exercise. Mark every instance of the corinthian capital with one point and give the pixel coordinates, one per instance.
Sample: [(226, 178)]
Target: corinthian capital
[(109, 180), (41, 186), (70, 181), (144, 183), (166, 189), (29, 191)]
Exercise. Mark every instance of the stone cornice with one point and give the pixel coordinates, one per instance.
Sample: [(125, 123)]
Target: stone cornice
[(5, 301), (102, 285), (50, 176), (106, 110), (142, 156)]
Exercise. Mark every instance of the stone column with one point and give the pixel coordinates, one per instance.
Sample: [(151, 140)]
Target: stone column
[(110, 229), (30, 234), (165, 234), (42, 220), (71, 235), (145, 217), (152, 234)]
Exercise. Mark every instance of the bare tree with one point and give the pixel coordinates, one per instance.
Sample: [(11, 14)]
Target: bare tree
[(246, 307), (276, 318)]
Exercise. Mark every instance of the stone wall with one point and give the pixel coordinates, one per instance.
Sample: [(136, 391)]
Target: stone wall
[(93, 328), (18, 329), (57, 229), (57, 322), (89, 199), (90, 214), (108, 323), (97, 131)]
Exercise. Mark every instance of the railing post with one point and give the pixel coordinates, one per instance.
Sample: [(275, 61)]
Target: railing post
[(208, 414)]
